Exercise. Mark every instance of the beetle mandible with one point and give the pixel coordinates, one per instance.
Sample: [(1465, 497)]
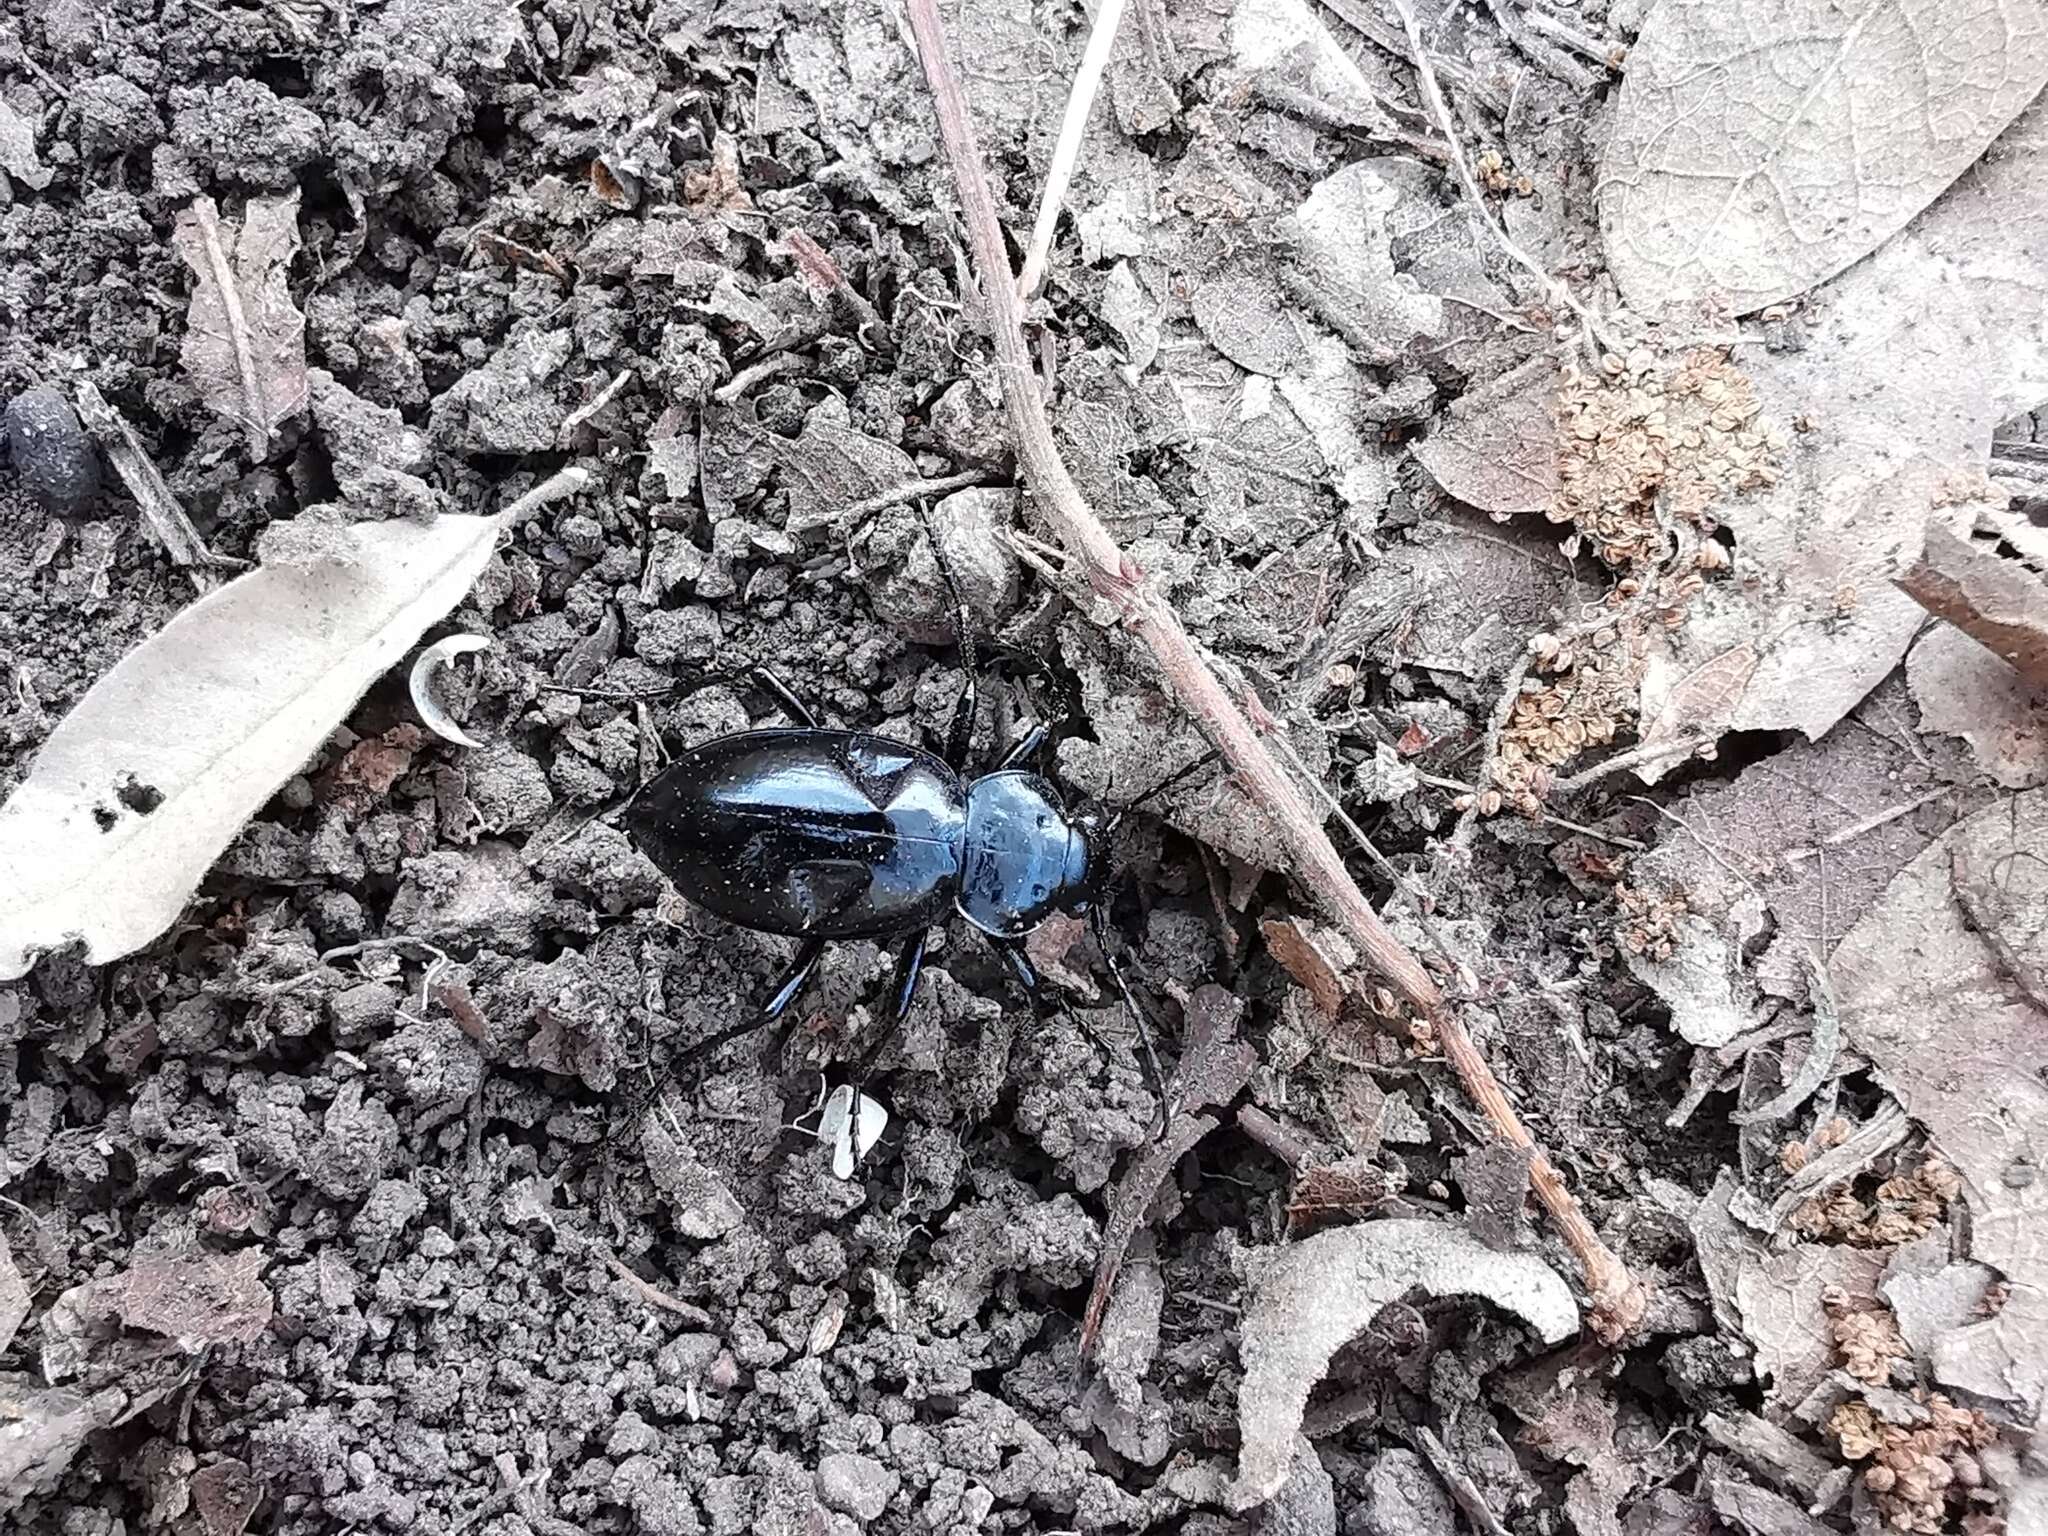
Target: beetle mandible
[(823, 834)]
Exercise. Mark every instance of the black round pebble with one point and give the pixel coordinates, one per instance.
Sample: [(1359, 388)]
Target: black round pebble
[(57, 462)]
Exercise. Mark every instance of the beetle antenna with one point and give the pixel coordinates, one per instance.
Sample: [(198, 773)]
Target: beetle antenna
[(1155, 1078), (1180, 774)]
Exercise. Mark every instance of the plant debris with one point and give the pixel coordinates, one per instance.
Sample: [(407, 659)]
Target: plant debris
[(245, 343)]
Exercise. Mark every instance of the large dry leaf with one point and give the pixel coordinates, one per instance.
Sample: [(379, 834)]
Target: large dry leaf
[(1759, 148), (1890, 400), (1993, 224), (1313, 1297), (1797, 847), (1941, 987), (143, 784), (245, 343), (1963, 690)]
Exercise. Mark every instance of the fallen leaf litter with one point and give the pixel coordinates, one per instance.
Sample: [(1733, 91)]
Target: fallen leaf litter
[(393, 1011)]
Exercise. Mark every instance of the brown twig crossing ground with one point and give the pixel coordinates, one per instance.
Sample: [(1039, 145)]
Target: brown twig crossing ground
[(1618, 1297)]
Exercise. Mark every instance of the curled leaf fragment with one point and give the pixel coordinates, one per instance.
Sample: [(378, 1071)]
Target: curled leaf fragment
[(1315, 1296), (420, 682)]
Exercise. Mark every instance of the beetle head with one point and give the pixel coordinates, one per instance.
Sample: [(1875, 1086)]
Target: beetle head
[(1087, 870)]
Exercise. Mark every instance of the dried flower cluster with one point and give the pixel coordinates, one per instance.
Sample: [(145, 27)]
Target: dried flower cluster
[(1920, 1475), (1866, 1336), (1907, 1205), (1588, 696), (1649, 921), (1640, 431), (1498, 177), (1648, 449)]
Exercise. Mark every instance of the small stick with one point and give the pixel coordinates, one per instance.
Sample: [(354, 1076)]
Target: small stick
[(603, 398), (772, 366), (1634, 757), (1087, 81), (1455, 1478), (563, 482), (1619, 1299), (912, 490), (1432, 95), (161, 514)]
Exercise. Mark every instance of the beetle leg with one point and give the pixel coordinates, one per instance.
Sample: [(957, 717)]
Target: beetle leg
[(902, 991), (786, 992), (1040, 994), (1023, 749), (1156, 1078), (780, 692)]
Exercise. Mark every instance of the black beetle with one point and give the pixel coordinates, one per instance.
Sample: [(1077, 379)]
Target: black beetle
[(831, 834)]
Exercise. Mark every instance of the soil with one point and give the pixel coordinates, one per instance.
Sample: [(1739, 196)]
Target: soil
[(423, 1042)]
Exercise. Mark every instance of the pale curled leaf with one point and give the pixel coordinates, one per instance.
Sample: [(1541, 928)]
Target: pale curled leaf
[(1314, 1296), (1758, 148), (420, 683), (18, 149), (1999, 603), (1963, 690), (245, 342), (1993, 225), (144, 783)]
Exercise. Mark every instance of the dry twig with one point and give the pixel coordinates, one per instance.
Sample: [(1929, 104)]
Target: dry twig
[(161, 513), (1067, 152), (1554, 288), (1619, 1300)]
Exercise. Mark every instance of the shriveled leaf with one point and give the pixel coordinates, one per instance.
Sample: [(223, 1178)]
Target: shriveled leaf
[(195, 1298), (1800, 846), (1759, 149), (1884, 405), (1941, 987), (1312, 1297), (225, 1494), (139, 789), (1779, 1295), (14, 1299), (245, 342), (1497, 450), (41, 1431)]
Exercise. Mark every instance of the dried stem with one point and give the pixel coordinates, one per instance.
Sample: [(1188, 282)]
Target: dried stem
[(1433, 97), (1065, 154), (1619, 1300)]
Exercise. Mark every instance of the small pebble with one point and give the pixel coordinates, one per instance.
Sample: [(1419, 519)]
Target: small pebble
[(856, 1485), (57, 462)]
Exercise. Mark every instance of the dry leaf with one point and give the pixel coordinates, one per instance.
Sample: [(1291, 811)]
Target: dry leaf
[(1497, 448), (195, 1298), (1779, 1295), (225, 1494), (1760, 149), (1999, 603), (1798, 847), (14, 1300), (1993, 224), (139, 789), (1941, 989), (41, 1431), (1963, 690), (245, 343), (1312, 1297)]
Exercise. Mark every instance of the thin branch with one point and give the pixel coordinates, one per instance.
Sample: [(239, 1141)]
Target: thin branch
[(1619, 1300), (911, 490), (1065, 154), (1432, 94)]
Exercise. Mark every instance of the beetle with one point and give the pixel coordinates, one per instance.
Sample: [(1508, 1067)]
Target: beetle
[(822, 834)]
